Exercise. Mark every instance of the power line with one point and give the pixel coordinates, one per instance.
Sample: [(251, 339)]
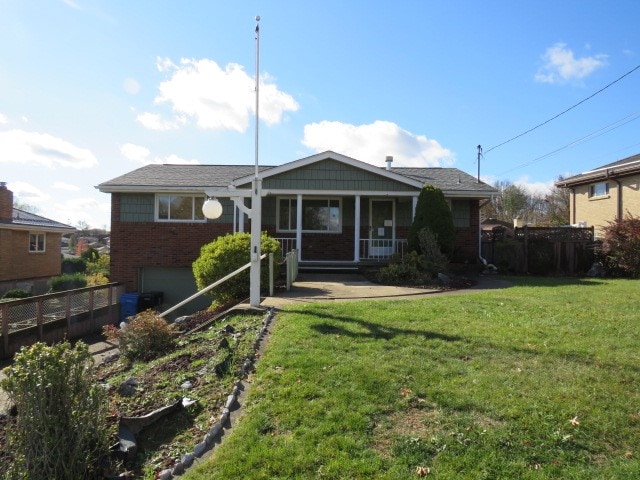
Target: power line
[(565, 111), (612, 126)]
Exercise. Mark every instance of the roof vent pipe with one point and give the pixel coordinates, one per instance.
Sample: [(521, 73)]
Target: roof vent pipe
[(389, 160)]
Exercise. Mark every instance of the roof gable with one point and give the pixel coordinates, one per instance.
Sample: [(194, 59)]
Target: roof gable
[(23, 220), (335, 157)]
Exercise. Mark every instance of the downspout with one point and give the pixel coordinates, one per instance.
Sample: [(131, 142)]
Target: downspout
[(573, 206), (619, 200)]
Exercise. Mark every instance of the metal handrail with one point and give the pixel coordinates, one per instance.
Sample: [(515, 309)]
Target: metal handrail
[(206, 289)]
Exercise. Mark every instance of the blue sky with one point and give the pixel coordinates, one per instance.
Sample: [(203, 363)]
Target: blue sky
[(90, 90)]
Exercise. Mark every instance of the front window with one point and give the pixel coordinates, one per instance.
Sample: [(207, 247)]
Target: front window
[(321, 215), (36, 242), (318, 215), (179, 208), (599, 189)]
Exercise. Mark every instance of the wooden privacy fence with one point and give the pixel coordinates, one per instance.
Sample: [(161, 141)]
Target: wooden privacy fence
[(57, 316), (540, 250)]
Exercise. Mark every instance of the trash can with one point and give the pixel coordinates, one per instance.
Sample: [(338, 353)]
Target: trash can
[(149, 300), (128, 305)]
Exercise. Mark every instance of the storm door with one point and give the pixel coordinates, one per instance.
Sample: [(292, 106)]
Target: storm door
[(382, 228)]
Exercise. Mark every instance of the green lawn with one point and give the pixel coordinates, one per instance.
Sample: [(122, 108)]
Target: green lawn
[(538, 381)]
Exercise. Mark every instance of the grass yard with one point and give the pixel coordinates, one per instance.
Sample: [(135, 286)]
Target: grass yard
[(538, 381)]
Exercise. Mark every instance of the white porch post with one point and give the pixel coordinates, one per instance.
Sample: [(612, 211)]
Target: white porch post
[(299, 226), (356, 226), (240, 219), (414, 203)]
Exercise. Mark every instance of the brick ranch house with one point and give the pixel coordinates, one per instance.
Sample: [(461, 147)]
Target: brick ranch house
[(29, 247), (604, 194), (351, 213)]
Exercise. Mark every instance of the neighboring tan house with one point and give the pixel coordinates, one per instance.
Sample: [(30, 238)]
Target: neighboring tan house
[(604, 194), (30, 252), (351, 213)]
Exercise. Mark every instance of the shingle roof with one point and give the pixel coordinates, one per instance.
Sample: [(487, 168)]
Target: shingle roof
[(626, 166), (28, 219), (448, 179), (181, 176), (220, 176)]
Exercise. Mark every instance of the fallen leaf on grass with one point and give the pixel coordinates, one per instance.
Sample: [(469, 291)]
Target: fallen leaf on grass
[(423, 471), (574, 421)]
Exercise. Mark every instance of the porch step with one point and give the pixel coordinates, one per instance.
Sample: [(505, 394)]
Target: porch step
[(333, 267)]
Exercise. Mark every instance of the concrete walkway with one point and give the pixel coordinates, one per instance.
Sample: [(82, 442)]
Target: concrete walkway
[(321, 287)]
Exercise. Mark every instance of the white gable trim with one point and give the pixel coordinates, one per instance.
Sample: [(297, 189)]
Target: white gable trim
[(333, 156)]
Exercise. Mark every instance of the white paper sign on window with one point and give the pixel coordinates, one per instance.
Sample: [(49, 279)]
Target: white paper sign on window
[(381, 232)]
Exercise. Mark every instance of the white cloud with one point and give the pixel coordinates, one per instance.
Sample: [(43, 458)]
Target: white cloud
[(28, 193), (153, 121), (66, 186), (141, 154), (131, 86), (534, 188), (42, 149), (562, 66), (134, 152), (215, 98), (3, 119), (372, 143)]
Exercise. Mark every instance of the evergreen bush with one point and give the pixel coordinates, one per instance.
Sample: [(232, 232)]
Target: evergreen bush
[(433, 212), (228, 253), (433, 260), (61, 428), (16, 293), (68, 282), (74, 265)]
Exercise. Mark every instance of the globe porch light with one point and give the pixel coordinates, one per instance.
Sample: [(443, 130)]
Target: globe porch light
[(212, 208)]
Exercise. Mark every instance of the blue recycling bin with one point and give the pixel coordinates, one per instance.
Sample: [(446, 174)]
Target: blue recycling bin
[(128, 305)]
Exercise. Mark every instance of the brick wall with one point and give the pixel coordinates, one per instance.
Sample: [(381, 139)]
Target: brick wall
[(598, 211), (17, 263), (6, 204), (155, 244), (466, 249)]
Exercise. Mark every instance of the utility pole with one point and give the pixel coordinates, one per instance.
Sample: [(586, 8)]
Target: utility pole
[(479, 155)]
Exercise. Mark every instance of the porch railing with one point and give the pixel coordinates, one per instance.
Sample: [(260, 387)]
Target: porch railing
[(287, 245), (382, 249), (370, 249)]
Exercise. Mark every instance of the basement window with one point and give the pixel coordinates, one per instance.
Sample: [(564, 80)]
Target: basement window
[(37, 242)]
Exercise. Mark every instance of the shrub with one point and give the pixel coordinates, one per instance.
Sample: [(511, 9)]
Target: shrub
[(16, 293), (61, 428), (433, 260), (74, 265), (621, 247), (226, 254), (144, 337), (99, 266), (90, 255), (433, 212), (96, 279), (68, 282), (405, 271)]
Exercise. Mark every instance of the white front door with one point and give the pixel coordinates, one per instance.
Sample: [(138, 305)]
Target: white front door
[(382, 227)]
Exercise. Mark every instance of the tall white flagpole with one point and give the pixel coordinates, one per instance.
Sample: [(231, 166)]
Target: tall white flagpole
[(256, 197)]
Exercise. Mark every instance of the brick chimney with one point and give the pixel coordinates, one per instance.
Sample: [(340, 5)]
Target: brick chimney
[(6, 203)]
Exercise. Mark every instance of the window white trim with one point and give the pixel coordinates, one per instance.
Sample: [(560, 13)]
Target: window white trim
[(37, 242), (196, 208)]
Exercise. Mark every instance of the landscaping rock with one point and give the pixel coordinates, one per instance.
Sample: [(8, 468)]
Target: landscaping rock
[(128, 387)]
